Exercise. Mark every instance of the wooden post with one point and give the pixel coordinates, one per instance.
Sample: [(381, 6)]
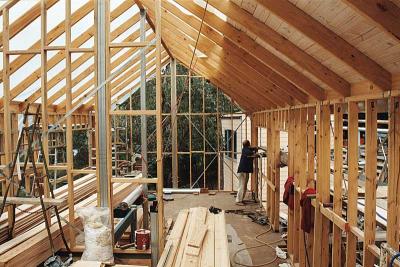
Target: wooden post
[(43, 92), (338, 179), (297, 247), (310, 169), (291, 155), (69, 134), (276, 175), (302, 179), (370, 180), (393, 220), (174, 129), (352, 195), (7, 110), (160, 174), (322, 224)]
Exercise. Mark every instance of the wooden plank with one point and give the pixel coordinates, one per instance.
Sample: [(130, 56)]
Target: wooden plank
[(197, 239), (221, 242), (7, 100), (207, 255), (352, 194), (370, 180), (297, 246), (69, 135), (35, 201), (241, 39), (333, 43), (302, 177), (277, 41), (322, 224), (159, 129), (393, 201), (383, 13), (338, 180), (176, 236), (171, 12), (135, 180)]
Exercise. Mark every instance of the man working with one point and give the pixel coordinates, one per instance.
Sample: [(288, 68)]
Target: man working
[(245, 167)]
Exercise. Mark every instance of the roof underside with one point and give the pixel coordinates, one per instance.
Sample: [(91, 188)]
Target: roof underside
[(262, 53)]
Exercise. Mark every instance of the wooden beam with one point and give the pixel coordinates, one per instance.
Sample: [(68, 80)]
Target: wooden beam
[(370, 180), (159, 129), (250, 77), (352, 195), (246, 99), (333, 43), (241, 39), (51, 36), (321, 233), (337, 184), (277, 41), (384, 13), (36, 201), (176, 16), (69, 135), (393, 219)]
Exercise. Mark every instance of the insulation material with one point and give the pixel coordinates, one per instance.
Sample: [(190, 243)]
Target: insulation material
[(98, 238)]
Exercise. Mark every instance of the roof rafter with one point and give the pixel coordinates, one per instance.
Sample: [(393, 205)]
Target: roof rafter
[(283, 45), (332, 42), (171, 13), (259, 83), (384, 13), (226, 81), (85, 36), (242, 40), (83, 58)]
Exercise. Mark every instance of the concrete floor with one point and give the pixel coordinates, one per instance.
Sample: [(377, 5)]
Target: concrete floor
[(245, 229)]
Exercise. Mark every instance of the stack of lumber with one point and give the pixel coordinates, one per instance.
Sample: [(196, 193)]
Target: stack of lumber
[(28, 216), (198, 238), (32, 247)]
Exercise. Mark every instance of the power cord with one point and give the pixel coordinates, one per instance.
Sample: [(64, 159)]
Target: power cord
[(263, 244)]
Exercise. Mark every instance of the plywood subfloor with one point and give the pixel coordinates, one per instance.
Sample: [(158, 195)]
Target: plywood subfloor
[(246, 230)]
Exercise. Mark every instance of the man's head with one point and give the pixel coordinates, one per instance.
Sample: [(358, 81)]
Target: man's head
[(246, 143)]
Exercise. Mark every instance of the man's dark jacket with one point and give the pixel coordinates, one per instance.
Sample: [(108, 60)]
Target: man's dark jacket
[(246, 160)]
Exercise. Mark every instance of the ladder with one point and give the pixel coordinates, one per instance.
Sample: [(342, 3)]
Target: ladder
[(32, 135)]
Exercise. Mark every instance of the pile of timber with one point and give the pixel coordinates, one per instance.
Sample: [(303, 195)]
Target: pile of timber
[(28, 216), (198, 238), (31, 247)]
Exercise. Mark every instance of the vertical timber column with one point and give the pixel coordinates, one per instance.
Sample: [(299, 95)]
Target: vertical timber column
[(352, 157), (43, 89), (7, 111), (290, 174), (143, 118), (103, 130), (270, 160), (276, 175), (321, 229), (160, 175), (394, 173), (174, 126), (254, 142), (371, 148), (296, 162), (69, 135), (302, 177), (337, 184), (310, 168)]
